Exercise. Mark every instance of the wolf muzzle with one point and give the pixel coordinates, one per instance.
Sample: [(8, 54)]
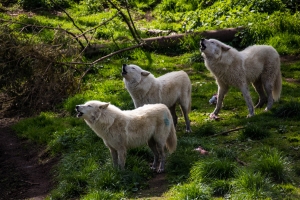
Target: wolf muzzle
[(202, 45), (124, 72), (79, 114)]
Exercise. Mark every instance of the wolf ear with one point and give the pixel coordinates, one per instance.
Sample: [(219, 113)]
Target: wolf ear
[(145, 73), (225, 48), (104, 106)]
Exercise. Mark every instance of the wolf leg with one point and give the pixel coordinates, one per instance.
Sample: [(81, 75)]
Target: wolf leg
[(121, 158), (185, 111), (260, 90), (173, 113), (160, 148), (152, 145), (248, 99), (114, 155), (222, 90), (269, 88)]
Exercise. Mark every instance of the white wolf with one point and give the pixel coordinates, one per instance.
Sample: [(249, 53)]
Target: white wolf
[(169, 89), (121, 130), (258, 64)]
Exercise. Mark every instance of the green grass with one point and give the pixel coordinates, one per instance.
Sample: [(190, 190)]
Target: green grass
[(263, 144), (268, 145)]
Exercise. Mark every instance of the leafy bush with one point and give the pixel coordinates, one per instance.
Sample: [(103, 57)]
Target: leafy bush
[(44, 4), (35, 79), (263, 6)]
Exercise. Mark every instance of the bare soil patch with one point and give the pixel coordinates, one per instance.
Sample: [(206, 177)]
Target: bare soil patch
[(23, 175)]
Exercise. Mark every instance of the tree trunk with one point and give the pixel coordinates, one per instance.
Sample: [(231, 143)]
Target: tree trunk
[(224, 35)]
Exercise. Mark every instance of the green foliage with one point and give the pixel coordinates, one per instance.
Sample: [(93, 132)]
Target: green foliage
[(189, 191), (42, 128), (254, 132), (179, 6), (288, 110), (220, 187), (250, 185), (45, 4), (143, 4), (264, 6), (207, 129), (94, 6), (210, 169), (85, 169), (272, 163)]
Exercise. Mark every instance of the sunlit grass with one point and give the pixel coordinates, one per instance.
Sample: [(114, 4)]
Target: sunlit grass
[(268, 145)]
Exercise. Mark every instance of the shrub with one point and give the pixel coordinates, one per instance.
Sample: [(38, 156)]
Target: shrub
[(44, 4), (35, 79)]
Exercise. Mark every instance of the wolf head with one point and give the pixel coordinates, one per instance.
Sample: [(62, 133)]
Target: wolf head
[(133, 73), (91, 110), (212, 48)]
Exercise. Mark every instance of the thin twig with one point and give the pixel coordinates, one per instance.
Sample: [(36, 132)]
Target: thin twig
[(127, 8), (70, 19), (241, 162), (126, 21), (47, 27), (226, 132)]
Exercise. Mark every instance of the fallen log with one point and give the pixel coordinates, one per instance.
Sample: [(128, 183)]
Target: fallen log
[(224, 35)]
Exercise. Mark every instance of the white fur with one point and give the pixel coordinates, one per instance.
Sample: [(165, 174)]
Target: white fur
[(258, 64), (169, 89), (121, 130)]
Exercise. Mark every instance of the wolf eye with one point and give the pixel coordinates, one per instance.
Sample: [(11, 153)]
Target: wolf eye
[(89, 106)]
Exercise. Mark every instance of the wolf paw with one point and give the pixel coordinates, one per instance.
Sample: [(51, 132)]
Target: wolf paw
[(213, 116), (159, 171), (201, 151)]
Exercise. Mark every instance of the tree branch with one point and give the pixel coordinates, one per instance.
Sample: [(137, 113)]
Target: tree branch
[(226, 132), (71, 20), (126, 21)]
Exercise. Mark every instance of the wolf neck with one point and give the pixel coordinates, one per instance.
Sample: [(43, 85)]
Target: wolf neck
[(101, 125), (141, 90)]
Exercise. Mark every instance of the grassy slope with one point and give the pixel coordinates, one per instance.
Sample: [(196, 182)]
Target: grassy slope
[(85, 169)]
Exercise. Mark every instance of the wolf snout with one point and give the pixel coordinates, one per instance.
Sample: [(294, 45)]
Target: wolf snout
[(79, 113), (202, 45), (124, 69)]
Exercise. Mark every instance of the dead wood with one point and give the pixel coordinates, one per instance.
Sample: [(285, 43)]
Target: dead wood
[(226, 132), (224, 35)]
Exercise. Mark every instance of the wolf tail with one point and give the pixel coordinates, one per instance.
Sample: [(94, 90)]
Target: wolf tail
[(172, 140), (277, 87)]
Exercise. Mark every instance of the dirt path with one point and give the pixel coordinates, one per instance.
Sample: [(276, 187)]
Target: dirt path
[(22, 174)]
